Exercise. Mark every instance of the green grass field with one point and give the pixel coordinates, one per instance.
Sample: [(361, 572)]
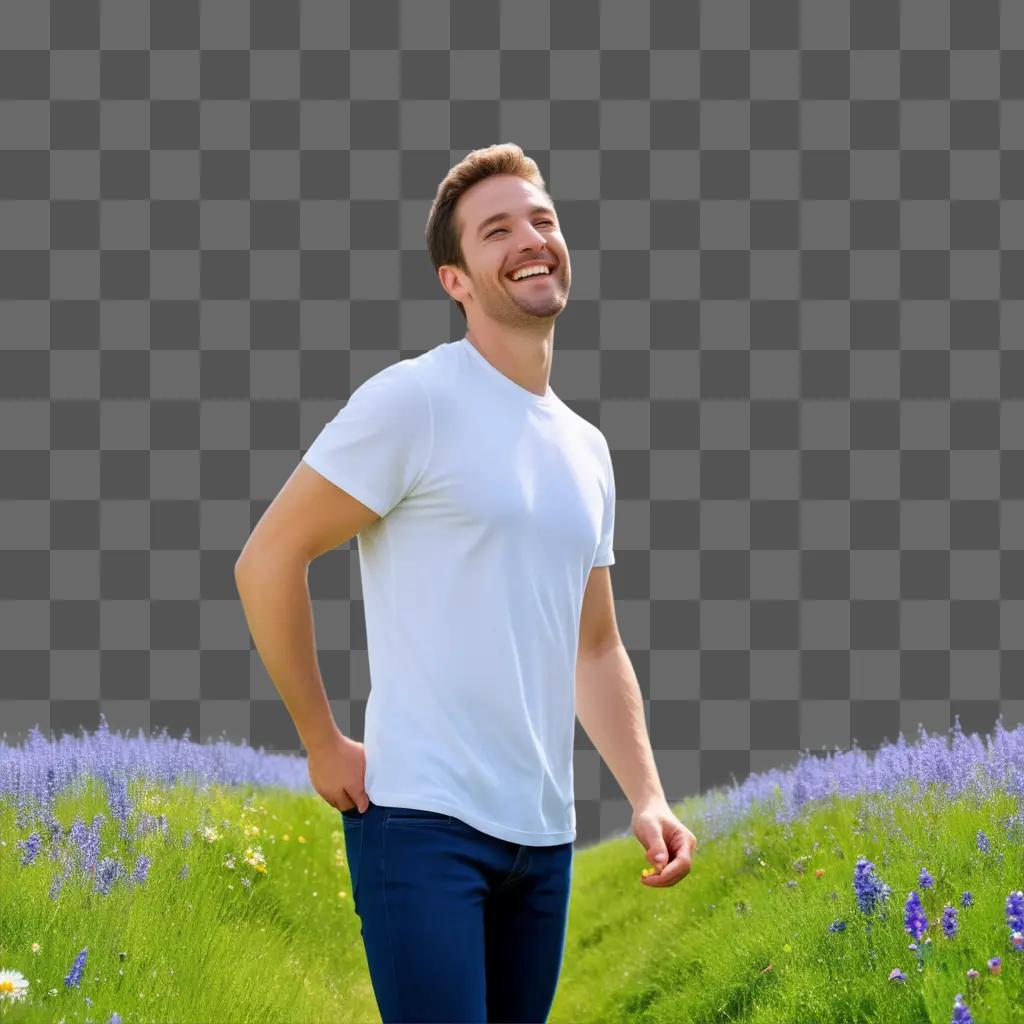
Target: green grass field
[(214, 933)]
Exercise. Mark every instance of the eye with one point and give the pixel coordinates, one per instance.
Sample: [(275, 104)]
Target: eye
[(496, 230)]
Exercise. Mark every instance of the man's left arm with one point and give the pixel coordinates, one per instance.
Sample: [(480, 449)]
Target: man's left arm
[(610, 707)]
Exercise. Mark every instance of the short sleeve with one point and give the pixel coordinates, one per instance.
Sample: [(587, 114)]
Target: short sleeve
[(377, 446), (605, 553)]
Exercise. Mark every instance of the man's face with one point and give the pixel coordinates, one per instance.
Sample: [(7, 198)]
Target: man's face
[(494, 247)]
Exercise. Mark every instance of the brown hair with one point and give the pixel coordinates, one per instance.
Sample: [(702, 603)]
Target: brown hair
[(444, 242)]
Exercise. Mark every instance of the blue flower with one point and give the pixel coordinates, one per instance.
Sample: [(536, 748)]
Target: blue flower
[(914, 919), (961, 1015), (837, 926), (967, 900), (32, 846), (949, 920), (925, 881), (74, 976), (1015, 911), (870, 889), (983, 844)]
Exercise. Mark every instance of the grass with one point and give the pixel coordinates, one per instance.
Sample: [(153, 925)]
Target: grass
[(709, 950)]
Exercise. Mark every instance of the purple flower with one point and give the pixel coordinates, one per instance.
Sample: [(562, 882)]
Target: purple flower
[(925, 881), (961, 1015), (967, 900), (949, 920), (983, 844), (115, 1018), (914, 919), (109, 871), (870, 889), (837, 926), (1015, 911), (32, 846), (995, 965), (141, 869), (897, 975), (74, 976)]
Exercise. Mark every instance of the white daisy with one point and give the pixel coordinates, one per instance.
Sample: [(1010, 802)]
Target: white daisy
[(12, 985)]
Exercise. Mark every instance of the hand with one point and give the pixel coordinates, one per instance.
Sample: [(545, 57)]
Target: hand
[(337, 770), (662, 835)]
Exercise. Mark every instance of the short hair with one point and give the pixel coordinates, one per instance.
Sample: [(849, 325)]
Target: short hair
[(444, 242)]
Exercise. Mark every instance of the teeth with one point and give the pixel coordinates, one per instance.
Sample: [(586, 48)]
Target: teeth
[(531, 273)]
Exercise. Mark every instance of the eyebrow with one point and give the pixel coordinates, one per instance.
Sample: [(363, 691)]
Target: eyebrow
[(501, 216)]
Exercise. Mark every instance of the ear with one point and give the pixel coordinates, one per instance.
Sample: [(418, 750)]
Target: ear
[(451, 281)]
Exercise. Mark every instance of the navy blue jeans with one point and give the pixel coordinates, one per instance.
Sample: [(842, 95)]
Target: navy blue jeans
[(458, 925)]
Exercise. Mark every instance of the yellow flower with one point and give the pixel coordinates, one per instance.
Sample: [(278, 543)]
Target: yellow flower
[(284, 838), (302, 839)]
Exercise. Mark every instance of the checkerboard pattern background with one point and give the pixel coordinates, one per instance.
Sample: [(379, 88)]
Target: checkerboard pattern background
[(797, 235)]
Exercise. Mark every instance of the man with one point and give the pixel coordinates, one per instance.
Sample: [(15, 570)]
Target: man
[(484, 509)]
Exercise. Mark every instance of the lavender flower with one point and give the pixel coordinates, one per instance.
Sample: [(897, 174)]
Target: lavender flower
[(141, 870), (1015, 911), (109, 871), (925, 881), (967, 900), (961, 1015), (949, 923), (870, 889), (32, 846), (914, 919), (983, 844), (74, 976), (897, 975)]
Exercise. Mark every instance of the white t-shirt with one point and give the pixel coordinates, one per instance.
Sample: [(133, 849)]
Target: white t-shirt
[(496, 504)]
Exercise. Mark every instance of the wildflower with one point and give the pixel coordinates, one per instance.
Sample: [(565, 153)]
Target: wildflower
[(837, 926), (983, 844), (245, 882), (961, 1015), (995, 965), (1018, 940), (210, 835), (818, 872), (254, 858), (302, 839), (925, 881), (967, 900), (13, 985), (108, 872), (791, 884), (870, 889), (36, 947), (141, 869), (949, 920), (972, 974), (115, 1018), (32, 846), (787, 948), (183, 873), (914, 919), (1015, 911), (897, 975), (230, 862), (74, 976)]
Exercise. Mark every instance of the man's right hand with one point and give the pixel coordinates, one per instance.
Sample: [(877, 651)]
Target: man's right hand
[(337, 770)]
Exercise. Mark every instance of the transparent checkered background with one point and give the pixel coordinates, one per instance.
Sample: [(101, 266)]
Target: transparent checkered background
[(797, 234)]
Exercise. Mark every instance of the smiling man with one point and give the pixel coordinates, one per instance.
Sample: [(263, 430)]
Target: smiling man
[(484, 509)]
